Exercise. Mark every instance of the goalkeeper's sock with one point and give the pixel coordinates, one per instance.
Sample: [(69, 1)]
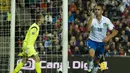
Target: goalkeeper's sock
[(18, 67), (38, 68), (95, 69)]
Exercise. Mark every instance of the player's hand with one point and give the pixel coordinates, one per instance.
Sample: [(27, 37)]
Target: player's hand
[(91, 15), (103, 66), (106, 39)]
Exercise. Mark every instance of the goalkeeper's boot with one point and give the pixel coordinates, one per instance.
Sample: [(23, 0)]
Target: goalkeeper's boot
[(103, 66)]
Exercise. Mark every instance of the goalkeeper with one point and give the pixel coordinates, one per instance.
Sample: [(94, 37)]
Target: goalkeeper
[(28, 45)]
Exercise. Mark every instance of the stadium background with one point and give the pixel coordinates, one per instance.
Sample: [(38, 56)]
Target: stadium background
[(49, 40)]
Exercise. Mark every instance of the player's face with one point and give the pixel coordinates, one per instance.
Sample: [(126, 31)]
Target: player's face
[(42, 19), (98, 11)]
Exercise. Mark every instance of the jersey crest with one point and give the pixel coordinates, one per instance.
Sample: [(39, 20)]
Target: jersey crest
[(105, 24), (33, 33)]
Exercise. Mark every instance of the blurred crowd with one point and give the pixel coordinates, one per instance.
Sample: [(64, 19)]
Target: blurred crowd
[(50, 38), (119, 13)]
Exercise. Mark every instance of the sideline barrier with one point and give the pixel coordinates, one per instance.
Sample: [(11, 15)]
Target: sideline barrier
[(77, 64)]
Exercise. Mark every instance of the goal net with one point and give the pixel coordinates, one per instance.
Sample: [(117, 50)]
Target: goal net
[(4, 35), (49, 41)]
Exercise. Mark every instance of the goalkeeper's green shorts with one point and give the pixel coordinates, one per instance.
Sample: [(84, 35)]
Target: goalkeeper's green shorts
[(28, 51)]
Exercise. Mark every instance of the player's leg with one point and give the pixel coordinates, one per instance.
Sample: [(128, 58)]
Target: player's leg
[(98, 56), (32, 53), (24, 58), (99, 62), (95, 69), (96, 65), (20, 65), (91, 59), (103, 63), (37, 63), (91, 49)]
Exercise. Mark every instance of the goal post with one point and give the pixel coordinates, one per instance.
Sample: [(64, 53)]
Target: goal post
[(65, 37), (12, 36)]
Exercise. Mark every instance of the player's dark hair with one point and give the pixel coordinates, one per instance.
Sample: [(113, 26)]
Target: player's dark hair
[(38, 16), (101, 5)]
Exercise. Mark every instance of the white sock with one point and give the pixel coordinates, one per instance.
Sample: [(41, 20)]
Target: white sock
[(90, 65), (95, 69)]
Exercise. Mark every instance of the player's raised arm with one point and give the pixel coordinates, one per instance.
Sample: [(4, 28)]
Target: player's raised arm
[(89, 24)]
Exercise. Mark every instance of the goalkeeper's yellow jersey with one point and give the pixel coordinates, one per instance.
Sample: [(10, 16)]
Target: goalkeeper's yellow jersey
[(31, 35)]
